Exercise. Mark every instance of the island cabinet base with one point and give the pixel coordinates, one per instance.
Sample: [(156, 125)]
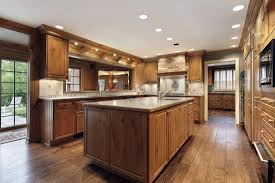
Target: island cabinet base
[(137, 145)]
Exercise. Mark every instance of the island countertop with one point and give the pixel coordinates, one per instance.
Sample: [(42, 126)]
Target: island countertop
[(144, 104)]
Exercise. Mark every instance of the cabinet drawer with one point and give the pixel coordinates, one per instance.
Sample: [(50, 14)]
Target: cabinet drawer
[(269, 119), (64, 105), (267, 138)]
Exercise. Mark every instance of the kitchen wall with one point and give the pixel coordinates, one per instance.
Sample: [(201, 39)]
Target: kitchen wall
[(225, 54)]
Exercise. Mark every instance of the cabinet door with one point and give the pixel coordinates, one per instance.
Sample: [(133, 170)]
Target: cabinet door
[(183, 127), (150, 71), (190, 120), (196, 68), (158, 142), (79, 122), (97, 135), (57, 57), (128, 151), (63, 124), (174, 130)]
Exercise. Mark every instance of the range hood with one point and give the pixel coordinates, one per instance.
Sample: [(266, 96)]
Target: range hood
[(172, 66)]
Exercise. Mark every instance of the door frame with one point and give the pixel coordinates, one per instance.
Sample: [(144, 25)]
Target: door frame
[(236, 60)]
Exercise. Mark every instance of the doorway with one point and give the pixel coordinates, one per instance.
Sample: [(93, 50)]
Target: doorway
[(222, 91)]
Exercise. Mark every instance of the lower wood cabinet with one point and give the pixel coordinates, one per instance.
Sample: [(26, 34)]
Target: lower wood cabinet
[(198, 108), (79, 121), (64, 120), (221, 101), (136, 144)]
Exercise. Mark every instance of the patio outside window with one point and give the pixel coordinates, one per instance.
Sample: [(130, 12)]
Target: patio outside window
[(13, 93)]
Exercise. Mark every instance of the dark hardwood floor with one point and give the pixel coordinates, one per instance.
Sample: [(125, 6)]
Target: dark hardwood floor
[(218, 152)]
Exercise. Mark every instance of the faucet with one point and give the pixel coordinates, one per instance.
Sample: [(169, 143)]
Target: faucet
[(160, 96), (101, 92)]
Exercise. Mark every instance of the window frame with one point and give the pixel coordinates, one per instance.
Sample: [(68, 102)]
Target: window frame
[(233, 71), (65, 82)]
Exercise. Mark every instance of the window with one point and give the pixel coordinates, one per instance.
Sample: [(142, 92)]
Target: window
[(224, 80), (14, 89), (73, 83)]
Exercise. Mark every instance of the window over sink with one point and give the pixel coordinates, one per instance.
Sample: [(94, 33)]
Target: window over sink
[(73, 82)]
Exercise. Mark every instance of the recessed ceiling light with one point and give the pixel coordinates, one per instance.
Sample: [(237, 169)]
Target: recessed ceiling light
[(114, 55), (75, 43), (192, 49), (158, 54), (60, 27), (234, 46), (236, 26), (169, 39), (158, 29), (143, 17), (234, 37), (96, 49), (177, 51), (238, 8), (145, 56)]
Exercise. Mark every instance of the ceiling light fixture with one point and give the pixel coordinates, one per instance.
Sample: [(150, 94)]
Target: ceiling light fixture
[(128, 58), (192, 49), (60, 27), (234, 38), (114, 55), (96, 49), (177, 51), (143, 17), (169, 39), (145, 56), (236, 26), (158, 29), (75, 43), (158, 54), (238, 8), (234, 46)]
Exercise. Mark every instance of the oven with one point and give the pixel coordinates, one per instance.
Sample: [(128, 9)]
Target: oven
[(267, 65)]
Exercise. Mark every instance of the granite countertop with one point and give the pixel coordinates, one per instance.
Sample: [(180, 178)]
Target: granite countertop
[(225, 92), (144, 104), (95, 96)]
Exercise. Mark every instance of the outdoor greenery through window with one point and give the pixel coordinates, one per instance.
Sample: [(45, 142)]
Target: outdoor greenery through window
[(224, 80), (13, 93), (73, 83)]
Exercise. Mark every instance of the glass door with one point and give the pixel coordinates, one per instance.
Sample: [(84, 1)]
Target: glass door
[(14, 90)]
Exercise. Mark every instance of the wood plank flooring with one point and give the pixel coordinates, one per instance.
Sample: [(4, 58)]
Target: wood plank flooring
[(218, 152)]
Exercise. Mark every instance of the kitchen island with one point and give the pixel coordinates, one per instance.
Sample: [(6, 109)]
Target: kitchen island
[(137, 137)]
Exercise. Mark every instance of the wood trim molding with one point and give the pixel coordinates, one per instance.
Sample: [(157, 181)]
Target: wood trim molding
[(65, 35), (11, 25), (14, 51)]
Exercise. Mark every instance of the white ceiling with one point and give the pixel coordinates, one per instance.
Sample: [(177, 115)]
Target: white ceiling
[(198, 24)]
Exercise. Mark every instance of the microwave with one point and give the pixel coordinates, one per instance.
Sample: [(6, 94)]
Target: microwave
[(267, 65)]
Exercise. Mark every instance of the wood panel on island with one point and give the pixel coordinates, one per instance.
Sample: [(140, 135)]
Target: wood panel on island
[(136, 144)]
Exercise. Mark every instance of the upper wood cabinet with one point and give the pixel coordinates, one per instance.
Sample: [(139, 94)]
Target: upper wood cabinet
[(150, 72), (55, 59), (195, 68)]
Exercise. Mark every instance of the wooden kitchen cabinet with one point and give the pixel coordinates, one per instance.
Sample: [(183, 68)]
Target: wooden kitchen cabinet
[(195, 68), (150, 72), (174, 130), (79, 122), (55, 57), (63, 122), (221, 101), (98, 139), (140, 144), (198, 108), (158, 142), (228, 101)]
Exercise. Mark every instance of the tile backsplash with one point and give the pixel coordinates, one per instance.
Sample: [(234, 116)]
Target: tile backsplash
[(50, 87), (196, 88)]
